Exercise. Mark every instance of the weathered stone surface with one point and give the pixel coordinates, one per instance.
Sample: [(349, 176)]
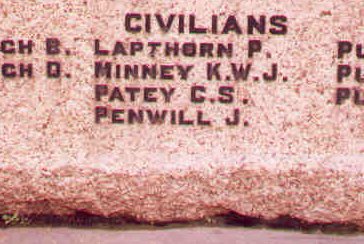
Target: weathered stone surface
[(299, 154)]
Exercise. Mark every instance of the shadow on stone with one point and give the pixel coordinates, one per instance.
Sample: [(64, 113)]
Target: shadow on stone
[(290, 223), (85, 220)]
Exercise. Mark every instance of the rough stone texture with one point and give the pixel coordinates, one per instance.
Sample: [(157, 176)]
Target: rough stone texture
[(301, 156)]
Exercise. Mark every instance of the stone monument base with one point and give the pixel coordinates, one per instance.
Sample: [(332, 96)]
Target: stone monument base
[(326, 192)]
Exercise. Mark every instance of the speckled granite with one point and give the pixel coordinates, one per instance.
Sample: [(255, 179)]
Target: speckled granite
[(301, 154)]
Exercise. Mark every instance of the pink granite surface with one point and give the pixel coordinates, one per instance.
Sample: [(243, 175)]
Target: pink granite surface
[(301, 154)]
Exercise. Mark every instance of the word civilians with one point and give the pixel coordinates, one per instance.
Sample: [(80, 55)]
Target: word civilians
[(147, 23)]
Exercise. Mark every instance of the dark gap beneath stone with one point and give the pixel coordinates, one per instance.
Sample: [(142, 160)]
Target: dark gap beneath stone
[(83, 219)]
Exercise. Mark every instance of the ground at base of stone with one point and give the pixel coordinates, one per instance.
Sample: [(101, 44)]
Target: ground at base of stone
[(85, 220), (198, 235)]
